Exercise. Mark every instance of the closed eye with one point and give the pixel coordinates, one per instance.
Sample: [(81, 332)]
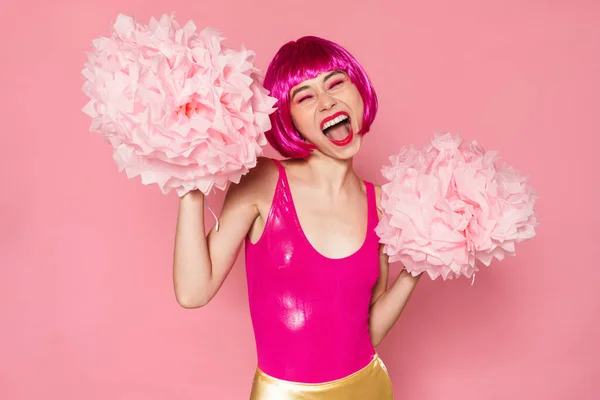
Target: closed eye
[(304, 98), (336, 83)]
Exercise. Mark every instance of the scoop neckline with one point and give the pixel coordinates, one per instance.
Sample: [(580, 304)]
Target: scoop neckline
[(302, 233)]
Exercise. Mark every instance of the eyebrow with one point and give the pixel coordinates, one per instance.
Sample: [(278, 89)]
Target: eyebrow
[(301, 88)]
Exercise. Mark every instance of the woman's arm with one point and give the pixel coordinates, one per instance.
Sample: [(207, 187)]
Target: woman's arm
[(387, 303), (201, 263)]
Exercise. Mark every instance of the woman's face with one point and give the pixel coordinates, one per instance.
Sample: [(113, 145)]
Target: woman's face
[(328, 112)]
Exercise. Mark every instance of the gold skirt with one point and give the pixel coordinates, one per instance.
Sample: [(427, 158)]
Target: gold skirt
[(370, 383)]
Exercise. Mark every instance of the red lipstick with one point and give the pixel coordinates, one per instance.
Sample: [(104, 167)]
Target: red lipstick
[(329, 118)]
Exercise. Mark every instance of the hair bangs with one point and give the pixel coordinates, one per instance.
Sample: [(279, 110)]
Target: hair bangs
[(310, 62)]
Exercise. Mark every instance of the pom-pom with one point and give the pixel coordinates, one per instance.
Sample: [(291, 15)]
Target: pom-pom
[(451, 204), (179, 109)]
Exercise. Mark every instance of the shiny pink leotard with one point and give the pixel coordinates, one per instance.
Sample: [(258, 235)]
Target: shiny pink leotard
[(310, 313)]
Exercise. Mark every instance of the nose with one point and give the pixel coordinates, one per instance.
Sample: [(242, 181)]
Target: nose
[(326, 102)]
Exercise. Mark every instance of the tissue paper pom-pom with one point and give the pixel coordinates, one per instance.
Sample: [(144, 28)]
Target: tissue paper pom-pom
[(178, 108), (451, 204)]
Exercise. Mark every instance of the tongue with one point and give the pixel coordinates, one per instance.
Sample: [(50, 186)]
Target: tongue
[(339, 132)]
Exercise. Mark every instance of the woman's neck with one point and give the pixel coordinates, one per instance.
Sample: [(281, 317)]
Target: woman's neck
[(331, 174)]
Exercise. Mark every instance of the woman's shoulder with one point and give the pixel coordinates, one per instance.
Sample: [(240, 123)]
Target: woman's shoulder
[(258, 181), (378, 192)]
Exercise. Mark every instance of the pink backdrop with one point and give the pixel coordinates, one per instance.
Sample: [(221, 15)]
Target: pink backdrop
[(86, 298)]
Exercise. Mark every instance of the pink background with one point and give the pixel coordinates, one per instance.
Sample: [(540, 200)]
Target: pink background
[(86, 298)]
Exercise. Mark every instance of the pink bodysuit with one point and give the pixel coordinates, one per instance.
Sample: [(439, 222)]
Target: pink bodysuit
[(310, 313)]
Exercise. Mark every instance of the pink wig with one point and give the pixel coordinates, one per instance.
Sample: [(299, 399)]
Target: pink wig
[(296, 62)]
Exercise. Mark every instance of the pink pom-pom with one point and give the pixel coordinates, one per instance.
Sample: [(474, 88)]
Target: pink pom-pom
[(178, 108), (451, 204)]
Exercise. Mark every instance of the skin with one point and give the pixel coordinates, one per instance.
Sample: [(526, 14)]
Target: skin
[(330, 201)]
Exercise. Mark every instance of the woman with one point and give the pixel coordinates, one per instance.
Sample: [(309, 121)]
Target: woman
[(317, 278)]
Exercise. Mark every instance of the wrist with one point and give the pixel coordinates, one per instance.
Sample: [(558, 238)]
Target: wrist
[(193, 196)]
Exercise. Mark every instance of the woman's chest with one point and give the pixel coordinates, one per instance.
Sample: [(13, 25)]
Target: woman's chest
[(334, 229)]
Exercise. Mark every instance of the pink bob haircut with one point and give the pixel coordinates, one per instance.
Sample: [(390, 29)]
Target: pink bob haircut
[(303, 59)]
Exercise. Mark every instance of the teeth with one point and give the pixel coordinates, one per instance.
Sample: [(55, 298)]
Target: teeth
[(334, 121)]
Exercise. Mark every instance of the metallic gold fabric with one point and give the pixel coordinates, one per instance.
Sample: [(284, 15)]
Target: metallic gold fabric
[(370, 383)]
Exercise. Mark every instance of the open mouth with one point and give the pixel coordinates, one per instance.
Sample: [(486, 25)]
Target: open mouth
[(337, 128)]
